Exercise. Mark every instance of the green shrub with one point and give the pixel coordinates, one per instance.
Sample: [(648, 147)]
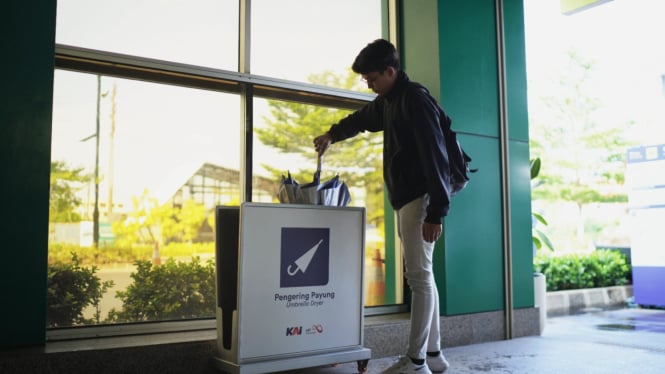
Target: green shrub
[(575, 271), (70, 289), (173, 290), (60, 254)]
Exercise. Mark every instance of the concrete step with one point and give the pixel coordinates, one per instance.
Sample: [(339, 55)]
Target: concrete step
[(576, 301)]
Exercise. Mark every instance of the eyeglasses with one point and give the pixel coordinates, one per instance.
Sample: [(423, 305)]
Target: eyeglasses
[(370, 80)]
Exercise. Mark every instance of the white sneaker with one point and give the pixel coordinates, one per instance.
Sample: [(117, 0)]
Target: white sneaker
[(405, 366), (437, 364)]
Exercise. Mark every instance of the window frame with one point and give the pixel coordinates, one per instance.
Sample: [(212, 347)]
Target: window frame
[(248, 86)]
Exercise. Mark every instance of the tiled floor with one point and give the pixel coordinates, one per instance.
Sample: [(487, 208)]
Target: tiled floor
[(618, 341)]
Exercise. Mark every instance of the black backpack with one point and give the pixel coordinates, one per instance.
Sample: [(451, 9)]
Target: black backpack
[(458, 160)]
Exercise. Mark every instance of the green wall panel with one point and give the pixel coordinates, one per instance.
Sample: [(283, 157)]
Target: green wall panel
[(516, 70), (473, 232), (473, 274), (518, 126), (28, 32), (520, 216), (393, 255), (467, 34), (420, 42), (469, 86)]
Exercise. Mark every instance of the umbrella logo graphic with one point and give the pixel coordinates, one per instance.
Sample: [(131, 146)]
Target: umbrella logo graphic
[(303, 262), (305, 256)]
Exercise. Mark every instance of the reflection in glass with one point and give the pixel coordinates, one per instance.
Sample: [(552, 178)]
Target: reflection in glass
[(283, 143), (202, 33), (294, 39), (165, 156)]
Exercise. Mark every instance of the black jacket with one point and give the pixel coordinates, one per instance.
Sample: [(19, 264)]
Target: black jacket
[(415, 160)]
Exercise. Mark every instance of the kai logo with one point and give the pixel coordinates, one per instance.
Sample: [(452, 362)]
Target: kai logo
[(296, 330), (305, 254)]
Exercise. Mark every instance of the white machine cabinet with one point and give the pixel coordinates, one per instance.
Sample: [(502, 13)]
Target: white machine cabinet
[(289, 287)]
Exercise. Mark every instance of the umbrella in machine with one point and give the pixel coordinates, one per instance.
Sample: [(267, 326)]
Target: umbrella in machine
[(330, 193)]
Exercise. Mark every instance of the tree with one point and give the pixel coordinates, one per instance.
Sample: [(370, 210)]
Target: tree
[(584, 156), (292, 127), (152, 223), (65, 182), (189, 221)]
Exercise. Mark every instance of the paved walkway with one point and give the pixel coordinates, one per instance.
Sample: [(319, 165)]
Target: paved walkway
[(617, 341)]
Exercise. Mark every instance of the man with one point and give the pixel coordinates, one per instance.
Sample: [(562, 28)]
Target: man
[(416, 173)]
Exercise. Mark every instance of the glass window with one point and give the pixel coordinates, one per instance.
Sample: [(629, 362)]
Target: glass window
[(201, 32), (283, 144), (294, 39), (163, 157), (138, 167)]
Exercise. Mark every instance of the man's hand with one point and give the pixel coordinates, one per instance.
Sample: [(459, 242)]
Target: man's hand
[(322, 142), (431, 232)]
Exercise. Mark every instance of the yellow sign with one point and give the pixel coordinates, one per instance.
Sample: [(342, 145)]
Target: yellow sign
[(569, 7)]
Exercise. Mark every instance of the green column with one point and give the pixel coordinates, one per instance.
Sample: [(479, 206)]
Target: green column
[(28, 34)]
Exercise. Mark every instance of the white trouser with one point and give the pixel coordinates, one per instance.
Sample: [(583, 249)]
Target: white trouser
[(425, 335)]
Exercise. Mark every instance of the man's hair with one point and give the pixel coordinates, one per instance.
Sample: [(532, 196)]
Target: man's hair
[(376, 56)]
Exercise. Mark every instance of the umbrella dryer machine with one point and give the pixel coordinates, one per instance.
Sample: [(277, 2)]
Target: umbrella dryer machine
[(289, 287)]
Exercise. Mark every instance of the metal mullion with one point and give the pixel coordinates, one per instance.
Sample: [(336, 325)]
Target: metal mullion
[(129, 329), (131, 67), (124, 66), (246, 102), (393, 24), (245, 34), (505, 172), (246, 142)]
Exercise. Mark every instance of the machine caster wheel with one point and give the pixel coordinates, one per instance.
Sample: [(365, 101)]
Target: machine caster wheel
[(362, 366)]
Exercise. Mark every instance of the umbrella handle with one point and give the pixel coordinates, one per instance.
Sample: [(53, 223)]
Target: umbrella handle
[(292, 273), (318, 163)]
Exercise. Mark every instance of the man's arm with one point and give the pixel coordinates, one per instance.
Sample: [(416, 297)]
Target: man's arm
[(364, 119)]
